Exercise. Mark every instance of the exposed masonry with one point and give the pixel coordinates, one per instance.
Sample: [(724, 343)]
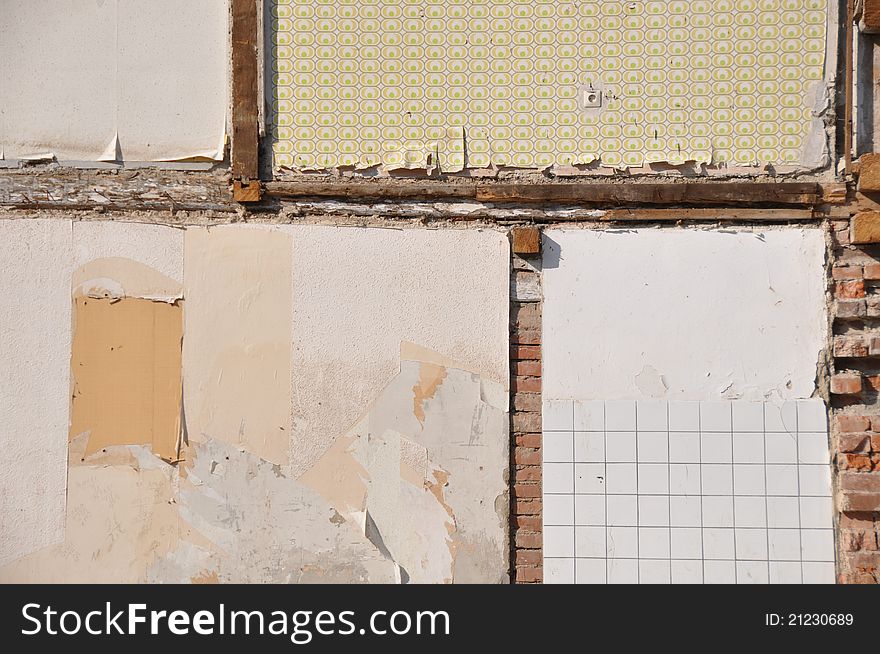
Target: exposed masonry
[(855, 399), (525, 419)]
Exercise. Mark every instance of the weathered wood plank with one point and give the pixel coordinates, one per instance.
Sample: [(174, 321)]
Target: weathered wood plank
[(245, 95)]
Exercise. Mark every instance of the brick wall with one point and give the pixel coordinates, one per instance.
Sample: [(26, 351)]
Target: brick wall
[(525, 400), (855, 398)]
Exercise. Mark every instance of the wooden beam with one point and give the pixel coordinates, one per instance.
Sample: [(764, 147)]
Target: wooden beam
[(245, 95), (398, 190), (602, 194), (636, 193)]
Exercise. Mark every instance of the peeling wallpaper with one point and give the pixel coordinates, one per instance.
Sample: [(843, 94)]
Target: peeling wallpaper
[(533, 83), (107, 80), (140, 463)]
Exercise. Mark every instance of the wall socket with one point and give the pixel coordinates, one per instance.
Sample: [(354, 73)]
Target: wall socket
[(590, 98)]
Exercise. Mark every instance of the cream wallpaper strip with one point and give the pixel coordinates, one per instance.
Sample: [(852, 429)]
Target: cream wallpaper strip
[(533, 83)]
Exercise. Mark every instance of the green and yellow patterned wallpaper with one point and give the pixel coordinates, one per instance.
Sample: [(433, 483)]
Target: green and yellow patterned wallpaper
[(535, 83)]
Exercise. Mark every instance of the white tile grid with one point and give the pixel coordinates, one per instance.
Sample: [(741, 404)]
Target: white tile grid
[(687, 492)]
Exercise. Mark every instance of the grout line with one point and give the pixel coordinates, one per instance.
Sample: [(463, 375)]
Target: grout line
[(573, 497), (605, 484), (733, 496), (702, 533), (797, 458), (638, 517), (766, 495), (669, 491)]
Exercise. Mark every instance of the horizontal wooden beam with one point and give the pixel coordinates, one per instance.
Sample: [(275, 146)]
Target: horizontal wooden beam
[(631, 193), (378, 190)]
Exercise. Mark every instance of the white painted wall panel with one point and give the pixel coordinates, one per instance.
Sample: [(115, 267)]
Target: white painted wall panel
[(682, 314), (35, 256)]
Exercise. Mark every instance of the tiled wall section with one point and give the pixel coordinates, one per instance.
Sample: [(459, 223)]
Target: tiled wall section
[(687, 492)]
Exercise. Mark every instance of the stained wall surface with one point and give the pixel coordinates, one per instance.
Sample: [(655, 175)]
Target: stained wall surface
[(536, 83), (193, 461), (112, 81)]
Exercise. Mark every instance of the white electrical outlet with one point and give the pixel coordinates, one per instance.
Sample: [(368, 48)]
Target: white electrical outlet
[(590, 98)]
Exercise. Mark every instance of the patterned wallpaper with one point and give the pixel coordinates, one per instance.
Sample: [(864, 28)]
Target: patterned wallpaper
[(533, 83)]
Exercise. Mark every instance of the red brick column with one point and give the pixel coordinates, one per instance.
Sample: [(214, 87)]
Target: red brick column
[(526, 554), (855, 399)]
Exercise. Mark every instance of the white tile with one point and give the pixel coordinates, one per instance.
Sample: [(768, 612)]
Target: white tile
[(559, 510), (653, 478), (818, 573), (816, 512), (718, 544), (655, 572), (653, 447), (750, 511), (558, 542), (719, 572), (684, 479), (716, 448), (653, 543), (558, 477), (782, 479), (817, 544), (813, 447), (589, 415), (684, 416), (590, 571), (621, 478), (785, 572), (812, 415), (623, 510), (782, 512), (558, 447), (651, 415), (685, 511), (748, 416), (752, 572), (623, 571), (684, 447), (620, 415), (589, 510), (717, 479), (715, 416), (620, 447), (653, 511), (686, 543), (780, 417), (589, 478), (589, 447), (717, 511), (558, 415), (785, 544), (558, 571), (623, 542), (748, 447), (781, 447), (590, 542), (751, 544), (687, 572), (815, 480), (748, 479)]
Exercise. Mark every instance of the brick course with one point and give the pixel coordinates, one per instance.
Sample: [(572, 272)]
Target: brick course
[(526, 553), (855, 401)]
